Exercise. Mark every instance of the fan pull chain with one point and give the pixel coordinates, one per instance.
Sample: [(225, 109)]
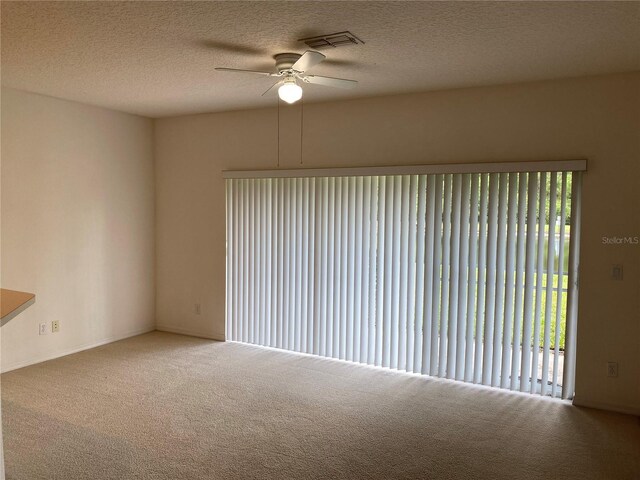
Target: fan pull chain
[(278, 161)]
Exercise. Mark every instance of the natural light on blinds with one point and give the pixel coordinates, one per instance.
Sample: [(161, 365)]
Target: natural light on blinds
[(467, 276)]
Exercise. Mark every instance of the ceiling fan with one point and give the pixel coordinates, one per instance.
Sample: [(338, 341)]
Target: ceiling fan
[(291, 68)]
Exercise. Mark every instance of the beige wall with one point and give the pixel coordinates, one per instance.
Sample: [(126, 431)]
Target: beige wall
[(597, 118), (77, 224), (2, 475)]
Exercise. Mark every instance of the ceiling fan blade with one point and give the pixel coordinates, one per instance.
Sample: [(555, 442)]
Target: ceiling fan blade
[(330, 81), (271, 88), (237, 70), (308, 60)]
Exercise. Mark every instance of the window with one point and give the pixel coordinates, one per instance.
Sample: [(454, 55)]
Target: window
[(465, 275)]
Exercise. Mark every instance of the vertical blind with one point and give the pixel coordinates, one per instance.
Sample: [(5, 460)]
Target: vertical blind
[(466, 276)]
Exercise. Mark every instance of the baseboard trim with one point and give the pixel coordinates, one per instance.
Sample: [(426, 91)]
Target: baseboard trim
[(626, 409), (191, 333), (71, 351)]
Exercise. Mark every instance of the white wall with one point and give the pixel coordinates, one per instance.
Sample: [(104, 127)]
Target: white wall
[(597, 118), (77, 224)]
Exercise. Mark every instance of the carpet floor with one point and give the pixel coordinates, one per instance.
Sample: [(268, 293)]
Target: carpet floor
[(162, 406)]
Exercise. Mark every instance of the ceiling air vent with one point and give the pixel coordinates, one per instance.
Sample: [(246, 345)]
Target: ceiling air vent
[(340, 39)]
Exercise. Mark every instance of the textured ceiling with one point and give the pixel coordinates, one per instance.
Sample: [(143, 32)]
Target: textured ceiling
[(157, 58)]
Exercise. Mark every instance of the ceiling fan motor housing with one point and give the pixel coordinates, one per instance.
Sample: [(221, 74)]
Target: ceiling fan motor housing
[(284, 61)]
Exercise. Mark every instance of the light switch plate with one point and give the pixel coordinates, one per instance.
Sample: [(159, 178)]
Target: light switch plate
[(617, 272)]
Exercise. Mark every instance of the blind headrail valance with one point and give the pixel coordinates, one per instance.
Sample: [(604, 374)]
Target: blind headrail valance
[(445, 168)]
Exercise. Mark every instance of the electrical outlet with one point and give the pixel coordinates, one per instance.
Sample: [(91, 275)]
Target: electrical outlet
[(43, 329), (612, 369), (196, 308), (55, 326)]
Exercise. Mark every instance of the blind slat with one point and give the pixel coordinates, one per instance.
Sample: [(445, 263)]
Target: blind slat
[(311, 284), (529, 282), (421, 286), (482, 278), (560, 285), (245, 277), (519, 286), (429, 324), (549, 284), (331, 328), (568, 377), (324, 222), (357, 307), (452, 323), (444, 276), (435, 273), (490, 292), (366, 271), (337, 269), (539, 282), (395, 279), (500, 281), (262, 242), (388, 270), (509, 317), (373, 272), (380, 269), (463, 278), (403, 282), (474, 214), (344, 245), (411, 281), (230, 254)]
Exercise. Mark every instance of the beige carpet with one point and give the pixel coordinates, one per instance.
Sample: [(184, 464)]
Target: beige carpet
[(163, 406)]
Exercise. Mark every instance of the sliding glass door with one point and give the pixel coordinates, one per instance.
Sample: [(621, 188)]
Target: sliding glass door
[(468, 276)]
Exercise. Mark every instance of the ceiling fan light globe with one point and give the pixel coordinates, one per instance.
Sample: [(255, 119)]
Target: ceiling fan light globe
[(290, 92)]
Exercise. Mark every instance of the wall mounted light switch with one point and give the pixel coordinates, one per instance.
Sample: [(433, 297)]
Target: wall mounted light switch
[(616, 272)]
